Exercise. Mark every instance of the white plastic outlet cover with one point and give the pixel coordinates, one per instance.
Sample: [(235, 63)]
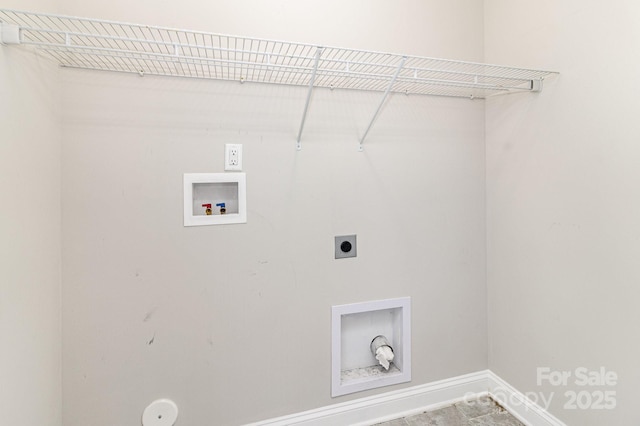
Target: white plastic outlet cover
[(233, 156), (161, 412)]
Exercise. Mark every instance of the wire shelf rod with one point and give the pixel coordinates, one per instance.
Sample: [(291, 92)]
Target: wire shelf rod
[(178, 46), (204, 47), (431, 93), (171, 59)]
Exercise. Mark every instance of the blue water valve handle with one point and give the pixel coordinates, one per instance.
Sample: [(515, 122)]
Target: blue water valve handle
[(220, 205)]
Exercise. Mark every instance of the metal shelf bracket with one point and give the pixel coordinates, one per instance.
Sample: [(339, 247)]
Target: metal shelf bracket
[(536, 85), (382, 101), (312, 80)]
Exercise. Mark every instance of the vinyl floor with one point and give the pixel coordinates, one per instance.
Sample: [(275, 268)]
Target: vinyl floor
[(480, 412)]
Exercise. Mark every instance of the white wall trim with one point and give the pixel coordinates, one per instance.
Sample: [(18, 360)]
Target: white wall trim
[(518, 404), (416, 399), (387, 406)]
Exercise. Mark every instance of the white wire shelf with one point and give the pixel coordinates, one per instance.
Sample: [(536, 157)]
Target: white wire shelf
[(115, 46)]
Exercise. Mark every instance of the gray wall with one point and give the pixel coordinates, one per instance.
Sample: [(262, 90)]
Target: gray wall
[(30, 152), (235, 312), (233, 322), (563, 202)]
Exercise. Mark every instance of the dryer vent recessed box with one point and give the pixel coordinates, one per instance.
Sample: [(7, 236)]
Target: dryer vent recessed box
[(353, 327)]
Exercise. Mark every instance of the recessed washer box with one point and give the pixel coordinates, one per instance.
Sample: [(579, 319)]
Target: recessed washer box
[(214, 198), (353, 327)]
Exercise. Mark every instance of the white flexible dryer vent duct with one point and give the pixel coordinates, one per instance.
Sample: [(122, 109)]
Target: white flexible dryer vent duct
[(383, 352)]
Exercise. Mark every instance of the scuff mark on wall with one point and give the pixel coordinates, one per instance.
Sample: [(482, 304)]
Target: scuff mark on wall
[(149, 314)]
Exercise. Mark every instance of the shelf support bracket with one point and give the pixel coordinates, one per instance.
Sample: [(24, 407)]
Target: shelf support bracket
[(9, 34), (306, 105), (382, 101), (536, 85)]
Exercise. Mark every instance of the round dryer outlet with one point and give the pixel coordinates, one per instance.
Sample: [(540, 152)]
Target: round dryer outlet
[(345, 246)]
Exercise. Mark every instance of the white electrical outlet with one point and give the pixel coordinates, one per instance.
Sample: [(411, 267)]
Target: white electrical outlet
[(233, 156)]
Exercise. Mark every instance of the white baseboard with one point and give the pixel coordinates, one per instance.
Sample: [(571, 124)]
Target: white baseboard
[(416, 399), (518, 404), (387, 406)]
